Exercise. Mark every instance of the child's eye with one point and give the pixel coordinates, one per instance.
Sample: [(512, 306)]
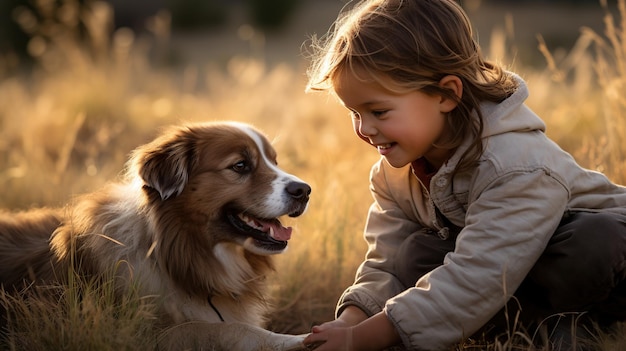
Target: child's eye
[(378, 113)]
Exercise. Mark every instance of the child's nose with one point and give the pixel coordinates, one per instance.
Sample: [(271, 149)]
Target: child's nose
[(367, 129)]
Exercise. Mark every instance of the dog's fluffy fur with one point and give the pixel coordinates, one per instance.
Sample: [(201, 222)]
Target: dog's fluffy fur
[(193, 222)]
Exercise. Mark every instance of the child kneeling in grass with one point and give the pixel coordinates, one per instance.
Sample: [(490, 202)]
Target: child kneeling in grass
[(473, 204)]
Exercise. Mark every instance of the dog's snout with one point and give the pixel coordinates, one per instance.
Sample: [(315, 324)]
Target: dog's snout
[(298, 190)]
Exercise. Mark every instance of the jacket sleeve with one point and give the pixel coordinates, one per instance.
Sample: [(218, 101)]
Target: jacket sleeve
[(388, 224), (508, 225)]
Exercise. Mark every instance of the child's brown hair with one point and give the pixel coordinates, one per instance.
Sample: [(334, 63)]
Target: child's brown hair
[(415, 43)]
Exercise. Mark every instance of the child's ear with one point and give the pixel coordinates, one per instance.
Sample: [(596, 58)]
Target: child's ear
[(454, 84)]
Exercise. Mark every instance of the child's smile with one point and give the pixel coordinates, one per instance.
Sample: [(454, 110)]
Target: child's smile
[(385, 148)]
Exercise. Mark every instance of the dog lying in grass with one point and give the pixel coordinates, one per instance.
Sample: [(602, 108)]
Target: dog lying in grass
[(194, 224)]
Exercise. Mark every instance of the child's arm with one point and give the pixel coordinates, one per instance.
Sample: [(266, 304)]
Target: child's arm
[(375, 333), (389, 223)]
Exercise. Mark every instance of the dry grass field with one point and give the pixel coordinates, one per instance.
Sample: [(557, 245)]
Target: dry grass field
[(68, 123)]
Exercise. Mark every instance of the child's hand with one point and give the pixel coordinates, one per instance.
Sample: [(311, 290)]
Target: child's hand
[(334, 335), (374, 333), (337, 334)]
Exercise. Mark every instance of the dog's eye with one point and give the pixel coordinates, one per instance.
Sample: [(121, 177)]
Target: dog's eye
[(241, 167)]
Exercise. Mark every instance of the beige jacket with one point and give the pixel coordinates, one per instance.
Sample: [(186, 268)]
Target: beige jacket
[(508, 206)]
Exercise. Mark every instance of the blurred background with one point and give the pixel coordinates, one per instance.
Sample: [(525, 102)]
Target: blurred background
[(83, 82), (273, 30)]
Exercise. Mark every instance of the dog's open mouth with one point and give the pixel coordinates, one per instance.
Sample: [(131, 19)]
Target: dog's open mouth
[(268, 234)]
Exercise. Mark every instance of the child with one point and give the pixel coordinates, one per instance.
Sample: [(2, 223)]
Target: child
[(473, 204)]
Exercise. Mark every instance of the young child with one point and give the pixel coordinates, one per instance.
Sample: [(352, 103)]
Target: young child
[(476, 212)]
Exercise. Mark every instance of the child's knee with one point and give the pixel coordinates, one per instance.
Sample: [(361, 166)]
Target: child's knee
[(584, 260)]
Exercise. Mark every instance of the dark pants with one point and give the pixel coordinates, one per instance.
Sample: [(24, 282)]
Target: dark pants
[(583, 269)]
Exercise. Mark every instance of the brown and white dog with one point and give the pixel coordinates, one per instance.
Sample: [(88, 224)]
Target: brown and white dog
[(195, 222)]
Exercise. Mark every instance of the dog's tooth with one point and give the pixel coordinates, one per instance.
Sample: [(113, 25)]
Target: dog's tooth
[(246, 219), (250, 221), (271, 232)]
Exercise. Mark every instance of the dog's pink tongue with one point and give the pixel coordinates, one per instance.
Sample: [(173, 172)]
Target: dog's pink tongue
[(278, 232)]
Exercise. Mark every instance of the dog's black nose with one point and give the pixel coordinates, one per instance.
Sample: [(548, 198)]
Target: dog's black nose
[(298, 190)]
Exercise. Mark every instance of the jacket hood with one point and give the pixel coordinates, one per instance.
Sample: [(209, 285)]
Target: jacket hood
[(511, 115)]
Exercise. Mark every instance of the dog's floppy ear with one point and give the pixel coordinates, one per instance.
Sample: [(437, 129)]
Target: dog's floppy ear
[(165, 163)]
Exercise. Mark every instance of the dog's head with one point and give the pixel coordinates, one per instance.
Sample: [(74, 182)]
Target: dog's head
[(223, 179)]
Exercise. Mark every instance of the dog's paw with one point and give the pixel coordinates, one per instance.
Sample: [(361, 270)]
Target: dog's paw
[(304, 347), (296, 343)]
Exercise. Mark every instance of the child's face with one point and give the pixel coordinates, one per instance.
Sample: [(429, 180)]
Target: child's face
[(403, 127)]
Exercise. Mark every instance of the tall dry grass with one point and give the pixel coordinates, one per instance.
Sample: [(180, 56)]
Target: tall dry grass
[(67, 125), (589, 115), (84, 315)]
